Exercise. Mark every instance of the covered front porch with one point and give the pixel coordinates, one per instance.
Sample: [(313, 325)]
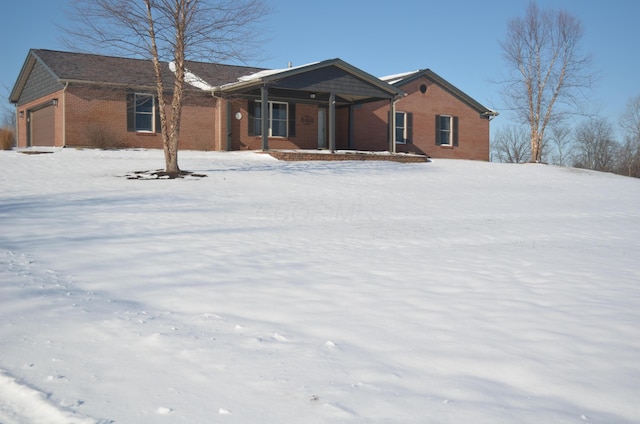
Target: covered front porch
[(307, 107)]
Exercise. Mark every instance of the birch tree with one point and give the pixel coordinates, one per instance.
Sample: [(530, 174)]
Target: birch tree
[(170, 31), (549, 75)]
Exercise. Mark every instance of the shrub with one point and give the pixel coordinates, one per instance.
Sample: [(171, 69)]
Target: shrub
[(100, 137), (7, 138)]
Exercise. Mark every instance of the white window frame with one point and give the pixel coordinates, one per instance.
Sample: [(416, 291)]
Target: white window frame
[(136, 112), (448, 131), (258, 128), (403, 140)]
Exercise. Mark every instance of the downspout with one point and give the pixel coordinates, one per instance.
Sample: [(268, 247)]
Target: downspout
[(64, 114), (219, 125), (392, 126)]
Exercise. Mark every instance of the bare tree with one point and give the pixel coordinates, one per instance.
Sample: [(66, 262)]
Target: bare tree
[(596, 146), (630, 124), (172, 31), (7, 113), (548, 73), (511, 145), (561, 140)]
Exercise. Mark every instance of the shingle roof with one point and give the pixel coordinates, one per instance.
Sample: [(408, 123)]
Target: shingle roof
[(92, 68)]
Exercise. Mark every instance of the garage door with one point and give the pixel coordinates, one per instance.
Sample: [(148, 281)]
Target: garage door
[(43, 126)]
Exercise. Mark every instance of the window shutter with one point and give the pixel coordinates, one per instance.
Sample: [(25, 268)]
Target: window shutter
[(292, 119), (131, 112), (455, 131), (437, 130), (251, 110), (158, 127), (409, 128)]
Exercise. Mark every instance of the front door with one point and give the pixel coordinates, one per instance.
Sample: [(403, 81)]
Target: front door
[(322, 128)]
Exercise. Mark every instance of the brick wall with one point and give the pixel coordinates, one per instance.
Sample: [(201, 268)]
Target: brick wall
[(306, 136), (370, 128), (96, 117)]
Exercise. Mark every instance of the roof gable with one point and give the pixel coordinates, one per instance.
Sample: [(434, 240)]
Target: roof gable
[(36, 80), (333, 75), (399, 80)]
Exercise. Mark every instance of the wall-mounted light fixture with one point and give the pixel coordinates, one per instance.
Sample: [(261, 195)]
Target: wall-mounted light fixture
[(22, 114), (312, 95), (54, 102)]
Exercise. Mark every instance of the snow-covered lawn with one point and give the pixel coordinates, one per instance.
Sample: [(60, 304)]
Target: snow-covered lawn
[(316, 292)]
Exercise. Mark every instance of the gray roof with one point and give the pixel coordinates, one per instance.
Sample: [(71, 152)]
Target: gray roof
[(118, 71), (347, 81)]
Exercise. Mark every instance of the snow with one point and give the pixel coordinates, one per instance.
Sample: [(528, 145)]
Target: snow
[(268, 72), (192, 79), (315, 292), (392, 79)]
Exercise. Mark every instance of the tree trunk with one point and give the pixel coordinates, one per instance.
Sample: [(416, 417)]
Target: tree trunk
[(171, 156)]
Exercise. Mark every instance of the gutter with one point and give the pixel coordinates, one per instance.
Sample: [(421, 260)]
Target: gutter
[(489, 114)]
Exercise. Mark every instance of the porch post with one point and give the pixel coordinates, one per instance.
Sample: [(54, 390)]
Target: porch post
[(264, 114), (229, 123), (392, 126), (332, 122)]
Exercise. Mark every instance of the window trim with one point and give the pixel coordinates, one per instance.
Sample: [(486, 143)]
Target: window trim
[(257, 121), (152, 113), (404, 127), (448, 131)]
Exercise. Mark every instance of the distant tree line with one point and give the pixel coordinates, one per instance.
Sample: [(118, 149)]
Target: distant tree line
[(593, 144)]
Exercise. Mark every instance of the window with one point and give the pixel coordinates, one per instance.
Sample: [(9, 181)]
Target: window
[(142, 113), (446, 130), (144, 107), (278, 119), (403, 127)]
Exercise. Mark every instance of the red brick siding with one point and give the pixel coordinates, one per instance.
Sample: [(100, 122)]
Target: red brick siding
[(94, 110), (370, 128), (342, 128)]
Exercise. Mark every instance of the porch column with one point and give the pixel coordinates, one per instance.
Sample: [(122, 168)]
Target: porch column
[(392, 126), (227, 146), (332, 122), (264, 113)]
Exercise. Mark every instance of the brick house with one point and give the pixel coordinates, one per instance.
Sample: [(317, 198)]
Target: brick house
[(433, 118), (82, 100)]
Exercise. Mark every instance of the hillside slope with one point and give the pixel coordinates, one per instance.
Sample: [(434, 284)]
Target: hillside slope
[(316, 292)]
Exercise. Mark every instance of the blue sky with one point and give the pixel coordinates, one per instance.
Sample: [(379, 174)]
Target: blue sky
[(458, 39)]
